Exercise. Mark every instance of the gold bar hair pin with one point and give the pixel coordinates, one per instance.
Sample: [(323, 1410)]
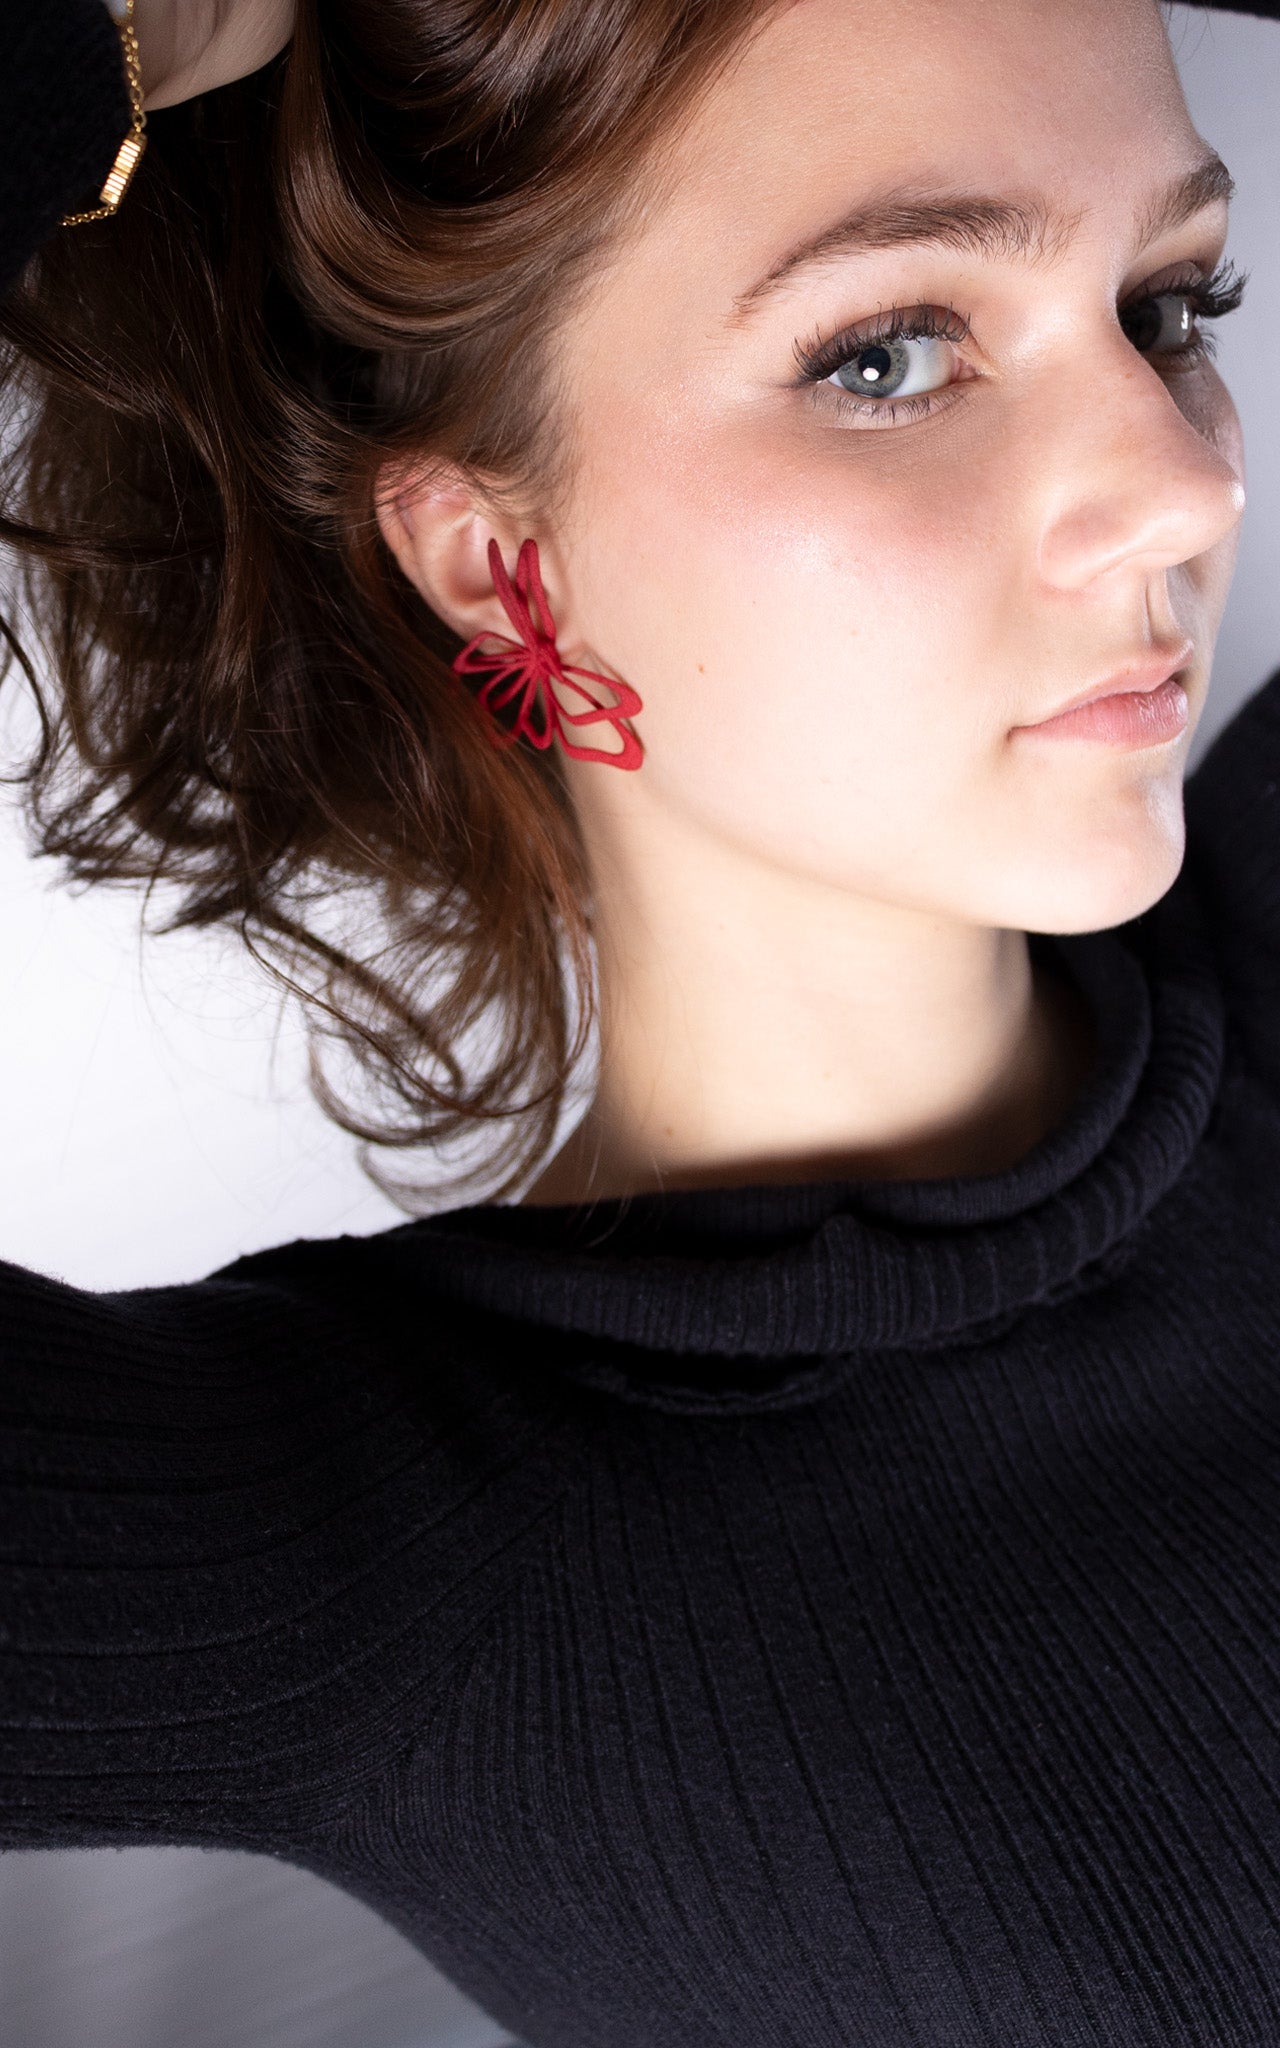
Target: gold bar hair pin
[(130, 150)]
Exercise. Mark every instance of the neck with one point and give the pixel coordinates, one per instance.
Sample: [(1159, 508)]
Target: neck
[(757, 1026)]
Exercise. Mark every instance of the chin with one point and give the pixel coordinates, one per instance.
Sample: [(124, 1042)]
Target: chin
[(1108, 885)]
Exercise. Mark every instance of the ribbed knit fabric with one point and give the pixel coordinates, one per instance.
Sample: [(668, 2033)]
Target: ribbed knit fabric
[(838, 1616)]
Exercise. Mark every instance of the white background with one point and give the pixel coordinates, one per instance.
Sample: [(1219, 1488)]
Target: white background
[(150, 1136)]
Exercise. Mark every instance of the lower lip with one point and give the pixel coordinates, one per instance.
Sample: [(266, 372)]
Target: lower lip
[(1131, 718)]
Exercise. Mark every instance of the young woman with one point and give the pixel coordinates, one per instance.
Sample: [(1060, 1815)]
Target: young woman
[(716, 516)]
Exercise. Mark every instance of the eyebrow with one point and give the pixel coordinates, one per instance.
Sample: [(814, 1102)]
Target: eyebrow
[(1000, 229)]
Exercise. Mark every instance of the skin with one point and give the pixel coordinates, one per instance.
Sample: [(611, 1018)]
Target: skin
[(811, 901), (192, 46)]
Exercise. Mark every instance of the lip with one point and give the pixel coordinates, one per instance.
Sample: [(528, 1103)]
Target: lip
[(1137, 677), (1122, 718)]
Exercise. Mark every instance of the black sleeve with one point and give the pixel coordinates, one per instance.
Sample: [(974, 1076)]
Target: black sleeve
[(249, 1528), (64, 110)]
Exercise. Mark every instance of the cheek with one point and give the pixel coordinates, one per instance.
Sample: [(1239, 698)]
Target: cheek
[(823, 625)]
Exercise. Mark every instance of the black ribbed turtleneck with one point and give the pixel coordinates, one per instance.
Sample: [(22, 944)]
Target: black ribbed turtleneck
[(832, 1616), (777, 1272)]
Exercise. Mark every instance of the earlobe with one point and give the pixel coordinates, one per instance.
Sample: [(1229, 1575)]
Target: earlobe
[(454, 554), (531, 673)]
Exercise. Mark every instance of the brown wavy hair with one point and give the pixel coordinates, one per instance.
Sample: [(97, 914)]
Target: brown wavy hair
[(355, 259)]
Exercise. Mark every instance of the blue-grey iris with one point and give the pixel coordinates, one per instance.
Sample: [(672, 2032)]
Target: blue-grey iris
[(878, 369)]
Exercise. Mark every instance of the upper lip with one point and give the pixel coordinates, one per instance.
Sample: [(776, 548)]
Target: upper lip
[(1143, 672)]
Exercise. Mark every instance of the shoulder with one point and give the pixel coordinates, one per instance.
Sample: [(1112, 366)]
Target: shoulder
[(300, 1385), (1232, 864), (333, 1328)]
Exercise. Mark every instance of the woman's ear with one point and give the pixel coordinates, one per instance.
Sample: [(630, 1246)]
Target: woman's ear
[(439, 534), (438, 527)]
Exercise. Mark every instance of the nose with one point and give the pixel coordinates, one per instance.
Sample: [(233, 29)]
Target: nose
[(1133, 479)]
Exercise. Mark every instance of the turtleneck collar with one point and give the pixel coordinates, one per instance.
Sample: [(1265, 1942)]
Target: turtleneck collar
[(793, 1276)]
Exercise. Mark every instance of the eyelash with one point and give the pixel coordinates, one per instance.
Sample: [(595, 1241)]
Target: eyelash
[(1210, 297)]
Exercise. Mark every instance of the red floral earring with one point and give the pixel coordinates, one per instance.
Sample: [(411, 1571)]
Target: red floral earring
[(527, 668)]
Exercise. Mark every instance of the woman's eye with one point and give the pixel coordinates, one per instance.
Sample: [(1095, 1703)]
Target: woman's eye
[(1164, 325), (898, 372), (911, 365), (903, 367)]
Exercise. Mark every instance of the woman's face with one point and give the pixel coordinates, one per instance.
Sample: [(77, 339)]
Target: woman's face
[(840, 609)]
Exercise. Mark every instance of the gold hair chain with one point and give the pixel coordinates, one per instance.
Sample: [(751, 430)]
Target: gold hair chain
[(135, 141)]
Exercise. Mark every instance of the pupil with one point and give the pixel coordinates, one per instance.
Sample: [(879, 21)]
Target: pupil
[(1144, 325), (874, 367)]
